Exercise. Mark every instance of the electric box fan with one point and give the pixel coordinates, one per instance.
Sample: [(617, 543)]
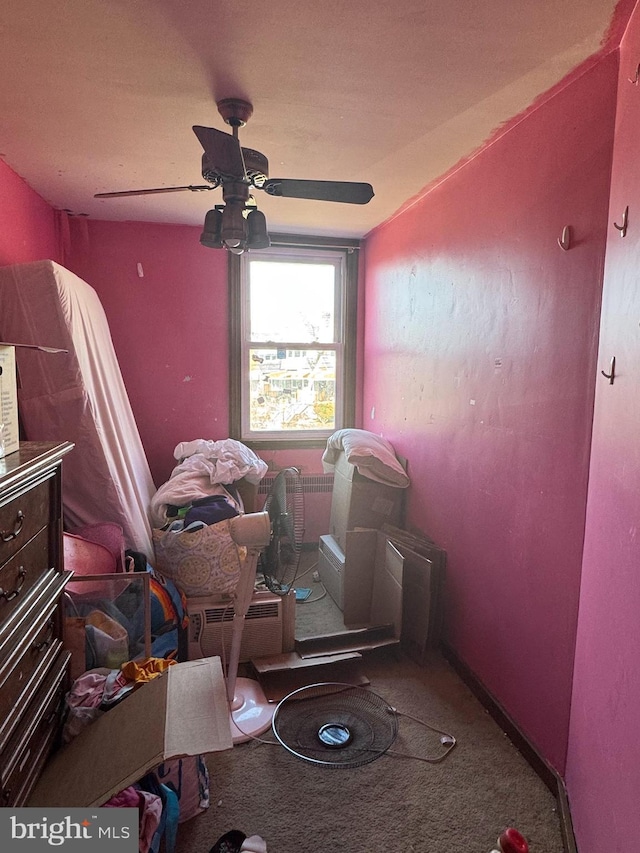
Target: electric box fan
[(279, 561)]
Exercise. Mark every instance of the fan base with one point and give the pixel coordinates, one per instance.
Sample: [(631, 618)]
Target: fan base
[(251, 713)]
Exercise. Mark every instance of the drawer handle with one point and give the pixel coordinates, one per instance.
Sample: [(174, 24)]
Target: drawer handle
[(39, 647), (6, 795), (17, 527), (8, 596)]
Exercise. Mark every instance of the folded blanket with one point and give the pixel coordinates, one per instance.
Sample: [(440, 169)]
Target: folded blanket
[(372, 455)]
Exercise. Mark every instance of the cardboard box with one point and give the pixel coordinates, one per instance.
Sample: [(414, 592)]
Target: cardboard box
[(9, 432), (182, 712), (365, 580), (9, 424), (358, 501)]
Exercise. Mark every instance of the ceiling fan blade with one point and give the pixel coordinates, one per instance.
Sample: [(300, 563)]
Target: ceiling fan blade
[(193, 189), (222, 150), (344, 191)]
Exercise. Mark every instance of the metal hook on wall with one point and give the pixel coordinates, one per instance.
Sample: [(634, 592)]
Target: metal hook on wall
[(635, 79), (625, 222), (565, 240), (611, 375)]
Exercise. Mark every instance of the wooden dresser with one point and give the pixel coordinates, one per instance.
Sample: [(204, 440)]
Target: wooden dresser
[(33, 664)]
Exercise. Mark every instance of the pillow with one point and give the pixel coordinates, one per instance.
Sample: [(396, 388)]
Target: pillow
[(372, 455)]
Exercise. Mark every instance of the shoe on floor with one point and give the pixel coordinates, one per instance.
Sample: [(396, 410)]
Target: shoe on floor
[(230, 842)]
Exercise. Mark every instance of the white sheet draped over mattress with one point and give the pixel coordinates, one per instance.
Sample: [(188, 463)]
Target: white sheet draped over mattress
[(77, 396)]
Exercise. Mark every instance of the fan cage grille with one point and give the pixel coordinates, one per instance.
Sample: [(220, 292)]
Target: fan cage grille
[(285, 505), (370, 721)]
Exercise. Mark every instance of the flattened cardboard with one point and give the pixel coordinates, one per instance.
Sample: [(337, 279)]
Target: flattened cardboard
[(386, 595), (182, 712), (9, 431)]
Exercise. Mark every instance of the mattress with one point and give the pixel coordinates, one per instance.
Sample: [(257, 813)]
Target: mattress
[(77, 396)]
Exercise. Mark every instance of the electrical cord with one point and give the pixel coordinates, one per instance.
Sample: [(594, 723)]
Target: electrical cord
[(317, 598), (447, 740), (310, 569)]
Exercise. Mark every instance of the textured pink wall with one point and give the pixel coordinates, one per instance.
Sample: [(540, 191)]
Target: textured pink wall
[(169, 328), (603, 765), (170, 331), (28, 229), (480, 354)]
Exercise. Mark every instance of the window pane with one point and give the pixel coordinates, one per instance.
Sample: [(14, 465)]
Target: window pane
[(292, 301), (296, 392)]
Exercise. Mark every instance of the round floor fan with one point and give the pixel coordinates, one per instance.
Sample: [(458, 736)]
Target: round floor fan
[(334, 724), (285, 506)]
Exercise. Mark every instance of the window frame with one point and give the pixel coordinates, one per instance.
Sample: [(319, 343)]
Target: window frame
[(312, 246)]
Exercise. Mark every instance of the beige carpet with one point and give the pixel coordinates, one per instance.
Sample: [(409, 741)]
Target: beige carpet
[(393, 803), (318, 614)]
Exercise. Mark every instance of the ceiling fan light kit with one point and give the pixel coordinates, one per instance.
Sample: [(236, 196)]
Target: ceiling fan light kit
[(237, 225)]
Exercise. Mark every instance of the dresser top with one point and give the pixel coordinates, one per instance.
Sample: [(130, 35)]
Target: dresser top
[(31, 456)]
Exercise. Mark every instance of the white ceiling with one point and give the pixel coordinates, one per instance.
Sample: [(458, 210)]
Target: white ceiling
[(101, 95)]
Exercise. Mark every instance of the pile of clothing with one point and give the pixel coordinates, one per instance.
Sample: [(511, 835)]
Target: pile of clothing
[(191, 512), (205, 469)]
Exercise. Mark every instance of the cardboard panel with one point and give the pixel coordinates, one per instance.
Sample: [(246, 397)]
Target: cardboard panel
[(182, 712), (359, 563), (9, 438), (386, 598)]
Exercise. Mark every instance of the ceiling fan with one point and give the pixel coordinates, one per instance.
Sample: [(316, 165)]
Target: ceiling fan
[(237, 224)]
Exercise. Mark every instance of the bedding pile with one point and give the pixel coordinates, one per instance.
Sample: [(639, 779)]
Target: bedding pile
[(372, 455)]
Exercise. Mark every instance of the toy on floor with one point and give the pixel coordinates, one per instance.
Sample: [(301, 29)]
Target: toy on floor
[(511, 841)]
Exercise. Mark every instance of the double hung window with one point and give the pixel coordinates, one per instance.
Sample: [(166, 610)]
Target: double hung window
[(293, 343)]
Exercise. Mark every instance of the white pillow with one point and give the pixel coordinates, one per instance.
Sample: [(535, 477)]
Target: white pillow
[(372, 455)]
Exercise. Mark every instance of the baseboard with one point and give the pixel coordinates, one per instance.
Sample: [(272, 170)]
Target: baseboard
[(547, 774)]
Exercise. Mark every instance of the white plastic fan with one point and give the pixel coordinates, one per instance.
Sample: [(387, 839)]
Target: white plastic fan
[(250, 712)]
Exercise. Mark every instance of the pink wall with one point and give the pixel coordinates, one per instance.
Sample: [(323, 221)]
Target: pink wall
[(480, 353), (28, 225), (170, 331), (603, 765), (169, 328)]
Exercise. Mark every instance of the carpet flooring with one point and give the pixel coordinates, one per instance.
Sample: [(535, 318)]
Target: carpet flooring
[(398, 802)]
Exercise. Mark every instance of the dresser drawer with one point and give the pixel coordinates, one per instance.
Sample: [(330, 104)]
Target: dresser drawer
[(21, 574), (24, 675), (22, 760), (22, 517)]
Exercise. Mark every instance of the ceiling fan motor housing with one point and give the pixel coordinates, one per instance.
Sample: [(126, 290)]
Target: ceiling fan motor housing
[(235, 111)]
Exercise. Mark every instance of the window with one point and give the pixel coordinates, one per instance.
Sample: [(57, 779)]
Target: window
[(293, 342)]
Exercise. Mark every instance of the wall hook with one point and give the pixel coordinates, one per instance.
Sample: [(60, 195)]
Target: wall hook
[(625, 222), (635, 79), (565, 240), (611, 375)]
